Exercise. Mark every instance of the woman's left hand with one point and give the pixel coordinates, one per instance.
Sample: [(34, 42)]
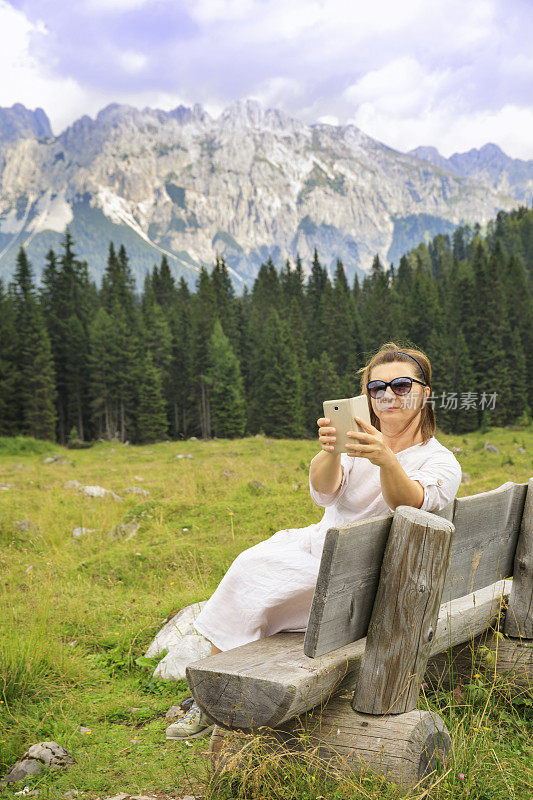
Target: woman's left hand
[(369, 444)]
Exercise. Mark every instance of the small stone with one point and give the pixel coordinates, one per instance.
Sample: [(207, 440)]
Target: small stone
[(136, 490), (26, 526), (193, 439), (119, 796), (147, 452), (456, 449), (137, 478), (72, 484), (4, 487), (77, 532), (465, 478), (189, 455), (82, 729), (257, 486), (490, 448), (70, 793), (29, 569), (180, 455), (521, 449), (112, 450)]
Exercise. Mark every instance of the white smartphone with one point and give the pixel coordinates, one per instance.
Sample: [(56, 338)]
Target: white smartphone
[(341, 414)]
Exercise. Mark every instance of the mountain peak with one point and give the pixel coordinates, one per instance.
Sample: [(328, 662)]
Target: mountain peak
[(18, 122)]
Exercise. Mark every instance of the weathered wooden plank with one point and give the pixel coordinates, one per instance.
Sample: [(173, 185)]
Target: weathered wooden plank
[(405, 612), (404, 748), (486, 531), (519, 617), (270, 681)]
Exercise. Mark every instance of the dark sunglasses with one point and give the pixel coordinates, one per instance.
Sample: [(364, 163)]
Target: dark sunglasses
[(398, 385)]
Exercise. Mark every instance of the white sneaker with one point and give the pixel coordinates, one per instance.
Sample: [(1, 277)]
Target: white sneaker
[(193, 725)]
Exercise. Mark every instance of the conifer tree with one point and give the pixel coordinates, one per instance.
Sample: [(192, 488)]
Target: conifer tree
[(36, 378), (181, 398), (315, 302), (278, 407), (226, 390), (9, 416), (151, 418), (322, 384)]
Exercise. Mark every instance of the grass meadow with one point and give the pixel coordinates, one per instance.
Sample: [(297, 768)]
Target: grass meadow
[(76, 613)]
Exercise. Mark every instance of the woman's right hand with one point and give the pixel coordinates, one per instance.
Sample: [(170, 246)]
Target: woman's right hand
[(326, 434)]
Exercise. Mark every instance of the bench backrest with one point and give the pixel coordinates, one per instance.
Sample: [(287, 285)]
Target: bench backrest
[(486, 532)]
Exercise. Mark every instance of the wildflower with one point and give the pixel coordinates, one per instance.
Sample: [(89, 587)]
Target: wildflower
[(461, 776), (172, 583)]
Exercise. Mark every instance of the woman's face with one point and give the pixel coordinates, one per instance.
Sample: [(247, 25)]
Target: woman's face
[(391, 408)]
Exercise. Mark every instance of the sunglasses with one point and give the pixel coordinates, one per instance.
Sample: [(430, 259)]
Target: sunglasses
[(399, 386)]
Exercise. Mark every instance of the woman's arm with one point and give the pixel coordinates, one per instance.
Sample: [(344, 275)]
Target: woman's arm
[(325, 472), (397, 487)]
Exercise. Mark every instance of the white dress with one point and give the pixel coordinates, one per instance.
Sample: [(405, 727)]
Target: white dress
[(269, 587)]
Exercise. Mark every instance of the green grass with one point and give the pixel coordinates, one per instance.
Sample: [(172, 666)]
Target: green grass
[(76, 614)]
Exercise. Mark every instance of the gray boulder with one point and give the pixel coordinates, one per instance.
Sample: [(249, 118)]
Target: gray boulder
[(38, 756)]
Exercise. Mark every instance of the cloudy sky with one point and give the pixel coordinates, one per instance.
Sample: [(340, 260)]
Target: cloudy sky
[(447, 73)]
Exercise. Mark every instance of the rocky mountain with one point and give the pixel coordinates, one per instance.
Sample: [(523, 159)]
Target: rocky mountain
[(249, 184), (488, 165)]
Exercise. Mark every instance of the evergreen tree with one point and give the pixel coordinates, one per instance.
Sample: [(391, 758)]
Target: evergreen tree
[(151, 418), (322, 384), (36, 379), (278, 409), (9, 382), (226, 390)]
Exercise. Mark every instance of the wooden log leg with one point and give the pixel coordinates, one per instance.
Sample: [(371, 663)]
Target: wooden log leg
[(404, 748), (405, 612)]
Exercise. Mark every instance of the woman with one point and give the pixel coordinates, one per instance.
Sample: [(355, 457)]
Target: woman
[(394, 461)]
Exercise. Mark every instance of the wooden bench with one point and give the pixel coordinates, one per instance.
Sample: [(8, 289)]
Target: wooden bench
[(393, 592)]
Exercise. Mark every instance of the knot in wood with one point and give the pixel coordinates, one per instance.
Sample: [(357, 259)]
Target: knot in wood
[(422, 588), (431, 633)]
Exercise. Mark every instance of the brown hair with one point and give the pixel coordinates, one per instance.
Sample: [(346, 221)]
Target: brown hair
[(388, 353)]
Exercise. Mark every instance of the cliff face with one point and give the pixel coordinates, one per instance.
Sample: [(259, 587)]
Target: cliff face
[(249, 184)]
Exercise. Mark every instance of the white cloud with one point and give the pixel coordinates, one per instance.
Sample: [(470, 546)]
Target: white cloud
[(132, 62), (25, 81)]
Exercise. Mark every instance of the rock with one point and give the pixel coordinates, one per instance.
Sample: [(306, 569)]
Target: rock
[(490, 448), (189, 455), (4, 487), (521, 449), (38, 756), (257, 486), (136, 490), (228, 473), (98, 491), (465, 478), (297, 486), (29, 569), (456, 449), (72, 484), (147, 452), (55, 460), (119, 796), (193, 439), (70, 793), (180, 455), (26, 526), (137, 478), (124, 529), (82, 729), (77, 532), (182, 642)]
